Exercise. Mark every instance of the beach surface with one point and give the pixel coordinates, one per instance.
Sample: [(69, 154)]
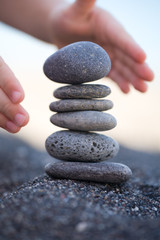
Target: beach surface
[(34, 206)]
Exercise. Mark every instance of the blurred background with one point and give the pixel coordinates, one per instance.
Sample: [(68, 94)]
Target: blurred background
[(138, 114)]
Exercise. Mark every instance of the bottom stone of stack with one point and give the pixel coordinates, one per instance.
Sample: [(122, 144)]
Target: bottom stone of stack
[(97, 172)]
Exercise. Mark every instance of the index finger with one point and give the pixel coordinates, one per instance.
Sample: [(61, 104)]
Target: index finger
[(10, 84)]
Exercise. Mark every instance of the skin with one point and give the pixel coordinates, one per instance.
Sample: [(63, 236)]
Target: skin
[(60, 23)]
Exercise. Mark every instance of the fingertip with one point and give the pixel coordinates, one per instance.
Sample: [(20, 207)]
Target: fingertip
[(142, 88), (125, 90), (17, 96), (83, 6), (124, 86), (11, 127), (140, 55), (135, 51), (150, 75), (10, 84), (27, 118), (120, 81), (21, 117), (144, 72), (20, 121)]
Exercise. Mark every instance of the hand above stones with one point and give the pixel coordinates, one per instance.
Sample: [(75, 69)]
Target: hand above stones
[(84, 21)]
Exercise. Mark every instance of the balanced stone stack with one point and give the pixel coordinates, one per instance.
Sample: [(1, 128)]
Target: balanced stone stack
[(82, 152)]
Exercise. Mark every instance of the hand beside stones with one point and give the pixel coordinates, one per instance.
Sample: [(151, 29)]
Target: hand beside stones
[(12, 114)]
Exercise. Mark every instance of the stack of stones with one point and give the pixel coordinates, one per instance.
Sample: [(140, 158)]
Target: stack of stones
[(81, 152)]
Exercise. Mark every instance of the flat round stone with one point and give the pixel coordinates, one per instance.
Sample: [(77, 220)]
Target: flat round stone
[(82, 91), (81, 146), (96, 172), (69, 105), (78, 63), (84, 120)]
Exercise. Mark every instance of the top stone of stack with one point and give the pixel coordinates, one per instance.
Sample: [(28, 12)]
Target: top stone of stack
[(78, 63)]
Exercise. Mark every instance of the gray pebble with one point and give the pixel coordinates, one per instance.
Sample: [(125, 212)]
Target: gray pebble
[(82, 91), (96, 172), (69, 105), (81, 146), (78, 63), (84, 120)]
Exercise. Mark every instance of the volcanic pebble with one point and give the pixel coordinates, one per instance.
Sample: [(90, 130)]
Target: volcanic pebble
[(97, 172), (81, 146), (78, 63), (69, 105), (84, 120), (82, 91)]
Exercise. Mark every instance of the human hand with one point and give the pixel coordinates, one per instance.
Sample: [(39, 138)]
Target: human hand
[(84, 21), (12, 114)]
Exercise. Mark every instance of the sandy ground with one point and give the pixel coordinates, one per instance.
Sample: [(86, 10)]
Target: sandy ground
[(45, 208)]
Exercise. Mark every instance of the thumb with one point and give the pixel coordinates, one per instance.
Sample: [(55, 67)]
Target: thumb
[(82, 7)]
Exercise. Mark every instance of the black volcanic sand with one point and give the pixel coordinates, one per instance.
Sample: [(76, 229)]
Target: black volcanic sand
[(19, 162), (44, 208)]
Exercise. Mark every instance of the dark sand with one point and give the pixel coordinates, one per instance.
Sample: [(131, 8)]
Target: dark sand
[(34, 206)]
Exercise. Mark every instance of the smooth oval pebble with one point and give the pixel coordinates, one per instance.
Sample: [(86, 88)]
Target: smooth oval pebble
[(84, 120), (78, 63), (82, 91), (81, 146), (69, 105), (96, 172)]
